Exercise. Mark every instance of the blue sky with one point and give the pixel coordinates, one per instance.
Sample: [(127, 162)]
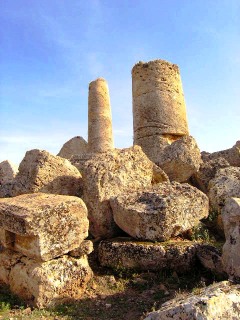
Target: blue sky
[(51, 49)]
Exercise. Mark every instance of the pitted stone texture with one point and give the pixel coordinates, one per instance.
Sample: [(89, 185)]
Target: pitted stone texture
[(40, 171), (100, 136), (231, 249), (79, 161), (127, 253), (160, 212), (225, 184), (220, 301), (43, 226), (42, 284), (85, 248), (108, 174), (207, 171), (76, 145), (210, 258), (232, 155), (181, 159), (7, 172)]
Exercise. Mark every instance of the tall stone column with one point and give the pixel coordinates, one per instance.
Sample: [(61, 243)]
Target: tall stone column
[(159, 111), (100, 136)]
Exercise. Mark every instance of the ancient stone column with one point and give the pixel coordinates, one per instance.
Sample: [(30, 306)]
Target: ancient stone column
[(100, 136), (159, 111)]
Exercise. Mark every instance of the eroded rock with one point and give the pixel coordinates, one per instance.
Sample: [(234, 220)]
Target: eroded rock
[(43, 226), (75, 146), (126, 253), (160, 212), (108, 174), (231, 248), (218, 301), (8, 172), (40, 171)]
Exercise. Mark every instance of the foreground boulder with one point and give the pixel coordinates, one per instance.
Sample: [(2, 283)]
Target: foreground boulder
[(42, 284), (181, 159), (160, 212), (7, 172), (225, 184), (43, 226), (125, 253), (231, 249), (218, 301), (207, 172), (40, 171), (232, 155), (106, 175), (75, 146)]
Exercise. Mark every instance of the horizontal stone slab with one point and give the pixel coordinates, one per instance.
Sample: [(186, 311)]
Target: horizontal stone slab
[(43, 226)]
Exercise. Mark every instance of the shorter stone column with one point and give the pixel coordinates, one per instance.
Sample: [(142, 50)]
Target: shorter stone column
[(100, 136)]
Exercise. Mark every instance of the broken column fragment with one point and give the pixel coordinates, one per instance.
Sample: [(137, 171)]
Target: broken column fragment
[(100, 136), (159, 111)]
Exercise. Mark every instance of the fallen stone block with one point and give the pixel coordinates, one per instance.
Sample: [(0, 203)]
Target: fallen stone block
[(40, 171), (218, 301), (75, 146), (8, 172), (43, 226), (43, 284), (106, 175), (231, 248), (85, 248), (160, 212), (127, 253)]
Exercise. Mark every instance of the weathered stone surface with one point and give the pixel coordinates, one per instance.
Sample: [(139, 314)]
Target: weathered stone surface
[(207, 171), (210, 258), (108, 174), (181, 159), (160, 212), (220, 301), (40, 171), (225, 184), (79, 160), (42, 284), (100, 136), (231, 249), (6, 190), (7, 172), (76, 145), (85, 248), (127, 253), (232, 155), (43, 226)]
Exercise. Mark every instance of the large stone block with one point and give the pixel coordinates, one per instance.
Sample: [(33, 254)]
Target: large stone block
[(220, 301), (40, 171), (125, 253), (231, 248), (43, 284), (7, 172), (43, 226), (108, 174), (75, 146), (160, 212)]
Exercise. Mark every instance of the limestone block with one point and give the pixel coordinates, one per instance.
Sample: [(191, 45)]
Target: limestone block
[(40, 171), (218, 301), (42, 284), (231, 248), (210, 258), (45, 226), (7, 172), (78, 161), (76, 145), (108, 174), (100, 136), (231, 155), (127, 253), (207, 172), (160, 212), (225, 184), (181, 159)]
